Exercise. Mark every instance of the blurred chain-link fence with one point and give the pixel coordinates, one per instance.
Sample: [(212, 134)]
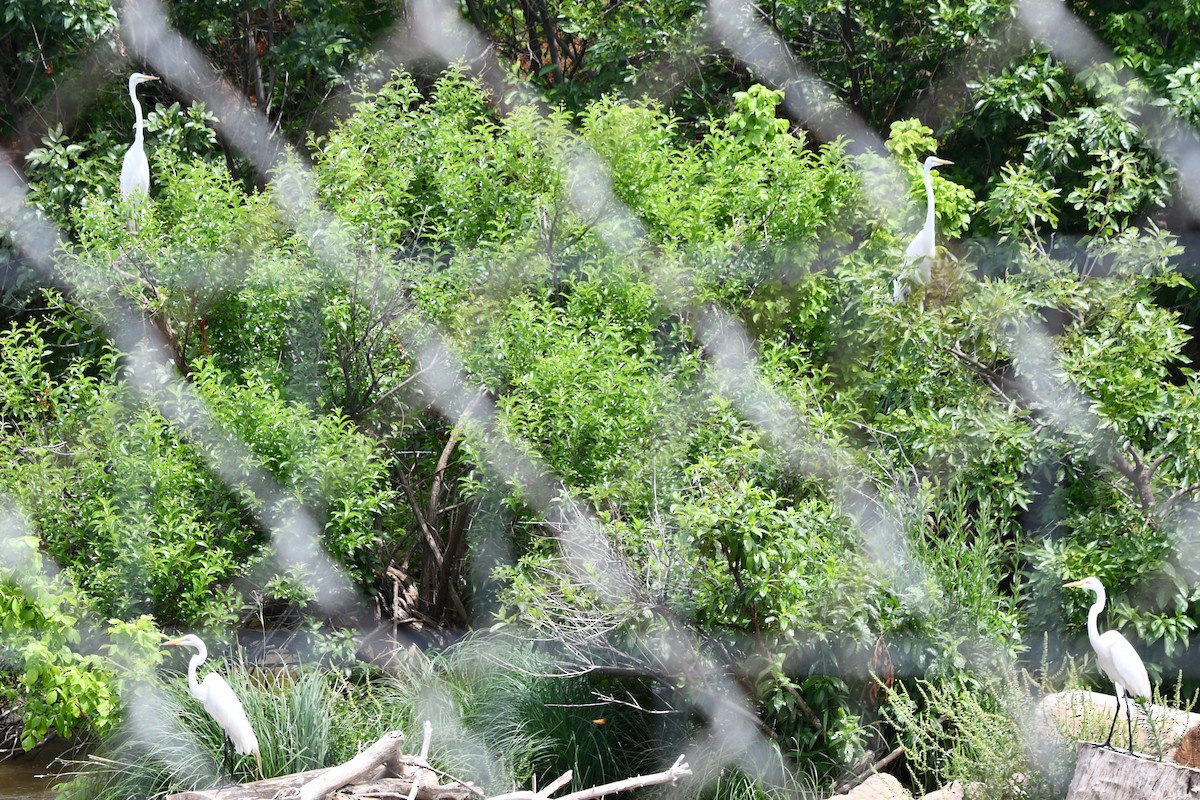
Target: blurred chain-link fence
[(435, 30)]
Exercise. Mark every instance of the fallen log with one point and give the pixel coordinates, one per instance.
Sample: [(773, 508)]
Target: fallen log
[(359, 768), (312, 784), (401, 789), (286, 786), (375, 773)]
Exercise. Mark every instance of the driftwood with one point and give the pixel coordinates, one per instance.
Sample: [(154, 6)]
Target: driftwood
[(286, 786), (678, 770), (359, 768), (382, 772), (1103, 774), (417, 770), (297, 785), (401, 789)]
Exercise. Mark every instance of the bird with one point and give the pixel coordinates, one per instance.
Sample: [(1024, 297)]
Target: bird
[(220, 702), (135, 170), (923, 247), (1118, 660)]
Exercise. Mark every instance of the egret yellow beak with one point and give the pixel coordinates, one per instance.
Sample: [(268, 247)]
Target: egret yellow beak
[(172, 643), (1073, 585)]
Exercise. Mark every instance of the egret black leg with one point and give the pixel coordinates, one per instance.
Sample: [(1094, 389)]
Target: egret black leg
[(227, 761), (1111, 728), (1129, 720)]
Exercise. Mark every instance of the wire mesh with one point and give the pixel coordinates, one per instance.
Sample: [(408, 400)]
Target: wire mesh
[(434, 29)]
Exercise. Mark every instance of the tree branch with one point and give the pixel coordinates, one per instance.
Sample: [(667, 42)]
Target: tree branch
[(672, 775)]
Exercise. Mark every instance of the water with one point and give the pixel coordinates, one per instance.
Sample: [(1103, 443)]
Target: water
[(19, 777), (20, 782)]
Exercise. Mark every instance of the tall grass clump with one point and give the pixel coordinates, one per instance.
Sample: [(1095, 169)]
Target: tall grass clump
[(505, 715), (159, 749), (167, 743), (292, 714)]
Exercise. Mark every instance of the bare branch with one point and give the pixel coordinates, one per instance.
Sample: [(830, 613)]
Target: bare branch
[(677, 770)]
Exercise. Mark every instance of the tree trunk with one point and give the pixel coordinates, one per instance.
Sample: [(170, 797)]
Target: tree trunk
[(1103, 774)]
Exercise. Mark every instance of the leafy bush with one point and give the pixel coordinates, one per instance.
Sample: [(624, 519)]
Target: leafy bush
[(55, 680), (853, 486)]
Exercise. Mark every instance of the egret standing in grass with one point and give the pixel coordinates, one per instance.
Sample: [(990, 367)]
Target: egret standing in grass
[(135, 171), (220, 702), (1118, 660), (918, 270)]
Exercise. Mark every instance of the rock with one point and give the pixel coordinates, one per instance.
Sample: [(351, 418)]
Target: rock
[(1188, 752), (1081, 715), (879, 786), (953, 791)]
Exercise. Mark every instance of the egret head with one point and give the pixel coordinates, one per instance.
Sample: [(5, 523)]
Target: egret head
[(934, 161), (1093, 584), (191, 640), (139, 77)]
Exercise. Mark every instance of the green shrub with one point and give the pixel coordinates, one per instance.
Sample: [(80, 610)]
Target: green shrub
[(975, 732)]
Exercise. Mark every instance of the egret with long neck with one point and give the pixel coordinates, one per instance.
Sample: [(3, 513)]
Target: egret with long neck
[(135, 170), (1118, 660), (220, 702), (918, 271)]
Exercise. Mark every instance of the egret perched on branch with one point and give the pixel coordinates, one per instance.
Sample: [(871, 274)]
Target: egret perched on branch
[(135, 171), (1117, 658), (220, 702), (918, 269)]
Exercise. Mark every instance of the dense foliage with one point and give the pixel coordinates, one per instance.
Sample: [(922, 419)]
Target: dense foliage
[(617, 389)]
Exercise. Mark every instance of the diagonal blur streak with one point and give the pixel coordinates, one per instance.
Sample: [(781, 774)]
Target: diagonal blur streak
[(1051, 24), (730, 351)]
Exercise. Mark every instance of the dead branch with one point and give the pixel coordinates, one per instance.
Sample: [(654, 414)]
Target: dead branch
[(861, 772), (443, 462), (423, 759), (678, 770), (382, 771), (540, 794), (556, 784), (356, 769), (425, 525)]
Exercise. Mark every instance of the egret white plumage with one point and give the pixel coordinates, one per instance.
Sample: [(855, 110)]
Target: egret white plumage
[(219, 701), (135, 170), (1118, 660), (919, 255)]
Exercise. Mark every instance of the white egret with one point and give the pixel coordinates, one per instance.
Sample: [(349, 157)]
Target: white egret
[(135, 171), (219, 701), (919, 256), (1118, 660)]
